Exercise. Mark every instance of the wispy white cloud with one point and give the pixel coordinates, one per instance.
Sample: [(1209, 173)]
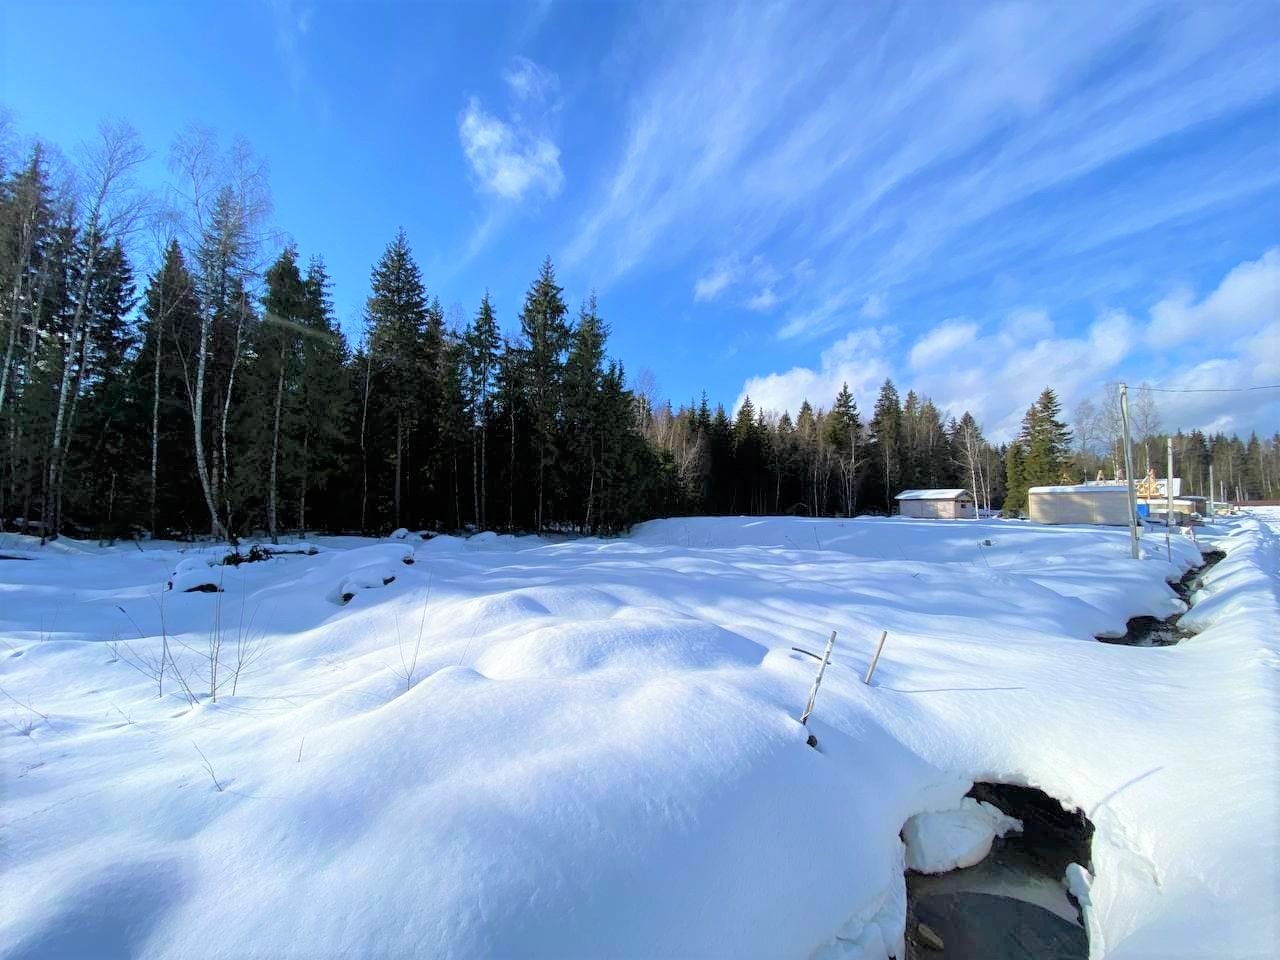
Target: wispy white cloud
[(858, 359), (735, 272), (942, 344), (1247, 298), (530, 83), (962, 116), (719, 278), (832, 311), (507, 158), (764, 301), (874, 307), (292, 22), (996, 373)]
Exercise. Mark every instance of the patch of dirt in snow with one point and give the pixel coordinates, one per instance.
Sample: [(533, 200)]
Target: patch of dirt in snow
[(1014, 903)]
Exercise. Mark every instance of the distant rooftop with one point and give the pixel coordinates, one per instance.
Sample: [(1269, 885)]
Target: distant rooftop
[(933, 494), (1083, 488)]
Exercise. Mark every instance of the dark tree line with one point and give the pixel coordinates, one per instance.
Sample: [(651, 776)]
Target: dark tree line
[(217, 394), (825, 462)]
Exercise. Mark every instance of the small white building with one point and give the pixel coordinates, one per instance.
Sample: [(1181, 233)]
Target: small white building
[(936, 504), (1101, 504)]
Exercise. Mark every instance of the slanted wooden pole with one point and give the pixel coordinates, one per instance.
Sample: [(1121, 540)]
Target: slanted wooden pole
[(817, 682), (1128, 473), (884, 634)]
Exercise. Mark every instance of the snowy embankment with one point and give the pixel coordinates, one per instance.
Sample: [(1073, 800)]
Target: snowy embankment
[(593, 750)]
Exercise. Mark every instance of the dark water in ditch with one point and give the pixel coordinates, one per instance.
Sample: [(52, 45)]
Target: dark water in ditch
[(1154, 632), (1012, 905)]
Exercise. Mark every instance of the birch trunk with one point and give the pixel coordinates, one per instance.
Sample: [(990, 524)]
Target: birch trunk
[(155, 421), (12, 340), (53, 493), (364, 453), (22, 264), (197, 421), (226, 412)]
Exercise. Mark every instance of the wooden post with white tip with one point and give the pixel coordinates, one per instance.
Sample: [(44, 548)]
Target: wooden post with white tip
[(884, 635)]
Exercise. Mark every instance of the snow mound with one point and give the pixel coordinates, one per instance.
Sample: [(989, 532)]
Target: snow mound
[(951, 839), (410, 536), (561, 748), (374, 576), (613, 645), (301, 547), (195, 575), (192, 565)]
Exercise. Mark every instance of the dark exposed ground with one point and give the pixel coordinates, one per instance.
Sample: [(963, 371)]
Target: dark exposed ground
[(1154, 632), (1012, 906)]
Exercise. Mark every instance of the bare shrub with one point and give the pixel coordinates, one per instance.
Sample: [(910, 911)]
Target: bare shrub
[(409, 662), (208, 767), (25, 725)]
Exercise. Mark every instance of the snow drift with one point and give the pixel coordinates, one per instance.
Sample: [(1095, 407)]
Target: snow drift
[(522, 747)]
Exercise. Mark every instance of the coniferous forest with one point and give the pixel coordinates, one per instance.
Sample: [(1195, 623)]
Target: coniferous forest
[(170, 365)]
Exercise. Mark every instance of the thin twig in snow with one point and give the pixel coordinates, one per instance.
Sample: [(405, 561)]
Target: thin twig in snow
[(409, 666), (207, 766), (25, 706), (467, 648)]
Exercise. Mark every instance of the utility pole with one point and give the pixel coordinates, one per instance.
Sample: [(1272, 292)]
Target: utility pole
[(1168, 493), (1128, 473), (1212, 511)]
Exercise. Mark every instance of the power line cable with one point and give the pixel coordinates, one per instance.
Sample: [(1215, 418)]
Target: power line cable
[(1270, 386)]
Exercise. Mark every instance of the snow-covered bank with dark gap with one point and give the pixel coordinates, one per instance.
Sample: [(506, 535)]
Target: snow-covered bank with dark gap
[(590, 747)]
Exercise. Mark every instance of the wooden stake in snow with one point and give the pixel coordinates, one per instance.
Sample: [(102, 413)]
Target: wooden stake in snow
[(817, 681), (884, 635)]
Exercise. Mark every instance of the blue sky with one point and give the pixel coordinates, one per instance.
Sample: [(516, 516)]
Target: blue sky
[(768, 199)]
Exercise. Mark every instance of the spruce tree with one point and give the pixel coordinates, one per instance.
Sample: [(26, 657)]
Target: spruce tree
[(1015, 498), (583, 382), (272, 378), (1047, 441), (747, 459), (434, 421), (844, 429), (723, 466), (325, 405), (887, 443), (546, 335), (170, 328), (512, 417), (396, 325), (104, 426), (483, 343)]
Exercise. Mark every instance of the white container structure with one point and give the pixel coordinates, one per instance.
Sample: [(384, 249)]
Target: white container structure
[(1089, 503), (937, 504)]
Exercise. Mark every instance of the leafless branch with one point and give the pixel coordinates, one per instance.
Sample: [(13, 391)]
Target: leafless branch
[(207, 766)]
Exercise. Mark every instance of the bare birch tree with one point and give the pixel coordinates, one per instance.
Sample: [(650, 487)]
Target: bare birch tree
[(112, 206), (226, 202)]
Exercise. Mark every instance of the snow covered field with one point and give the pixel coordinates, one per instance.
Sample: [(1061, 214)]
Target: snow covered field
[(596, 752)]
